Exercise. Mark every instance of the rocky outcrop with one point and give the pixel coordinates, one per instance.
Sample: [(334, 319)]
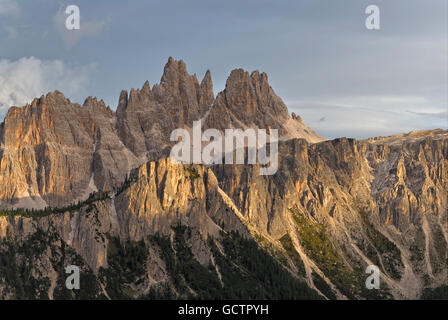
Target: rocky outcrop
[(413, 171)]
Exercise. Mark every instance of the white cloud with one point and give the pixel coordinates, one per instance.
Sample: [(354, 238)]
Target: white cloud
[(88, 28), (23, 80), (9, 7)]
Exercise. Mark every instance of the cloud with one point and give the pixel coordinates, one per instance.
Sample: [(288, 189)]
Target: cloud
[(9, 7), (443, 115), (364, 116), (24, 79), (88, 28), (388, 102), (364, 122)]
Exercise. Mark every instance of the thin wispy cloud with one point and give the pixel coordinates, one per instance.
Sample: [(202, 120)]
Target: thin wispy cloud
[(442, 115)]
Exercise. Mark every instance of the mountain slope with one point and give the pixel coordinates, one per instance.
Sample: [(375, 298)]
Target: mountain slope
[(318, 217)]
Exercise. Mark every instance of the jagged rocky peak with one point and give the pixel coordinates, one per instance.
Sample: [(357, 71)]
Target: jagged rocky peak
[(206, 96), (146, 117), (46, 118), (54, 97), (50, 100), (122, 101), (181, 93), (249, 101), (98, 106), (296, 117), (108, 145), (71, 148), (173, 72), (178, 92), (252, 95), (136, 99), (94, 102), (206, 82), (139, 95)]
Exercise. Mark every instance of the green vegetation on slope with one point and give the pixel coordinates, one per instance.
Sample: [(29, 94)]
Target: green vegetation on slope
[(36, 213), (319, 247), (379, 244), (323, 286), (288, 245), (184, 270), (23, 264), (438, 252), (126, 267), (246, 271), (439, 293)]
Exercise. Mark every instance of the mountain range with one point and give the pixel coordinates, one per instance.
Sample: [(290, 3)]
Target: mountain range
[(93, 187)]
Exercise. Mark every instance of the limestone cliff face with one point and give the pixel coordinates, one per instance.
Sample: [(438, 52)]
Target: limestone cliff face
[(413, 171), (381, 201), (161, 196), (54, 152)]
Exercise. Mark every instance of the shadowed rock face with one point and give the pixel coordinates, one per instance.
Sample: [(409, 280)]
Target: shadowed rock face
[(332, 208)]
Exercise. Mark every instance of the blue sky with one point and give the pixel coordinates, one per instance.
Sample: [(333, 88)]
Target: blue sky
[(343, 79)]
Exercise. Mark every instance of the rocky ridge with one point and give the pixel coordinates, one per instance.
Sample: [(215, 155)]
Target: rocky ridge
[(54, 152)]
